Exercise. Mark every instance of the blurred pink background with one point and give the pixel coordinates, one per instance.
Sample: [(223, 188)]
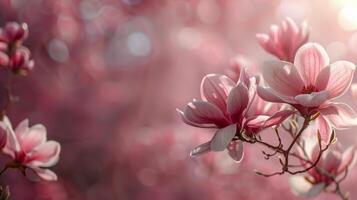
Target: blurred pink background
[(109, 75)]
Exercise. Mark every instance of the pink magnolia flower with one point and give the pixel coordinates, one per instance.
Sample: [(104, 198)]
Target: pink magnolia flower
[(29, 148), (225, 106), (284, 41), (332, 164), (310, 84)]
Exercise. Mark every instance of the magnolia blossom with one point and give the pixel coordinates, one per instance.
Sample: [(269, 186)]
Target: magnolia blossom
[(310, 84), (20, 61), (226, 106), (29, 148), (333, 164), (284, 41)]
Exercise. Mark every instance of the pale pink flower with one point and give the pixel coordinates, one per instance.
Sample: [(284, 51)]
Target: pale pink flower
[(333, 163), (284, 41), (310, 83), (225, 105), (28, 146)]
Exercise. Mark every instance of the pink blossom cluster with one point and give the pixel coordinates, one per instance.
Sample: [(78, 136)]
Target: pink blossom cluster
[(301, 85), (13, 54)]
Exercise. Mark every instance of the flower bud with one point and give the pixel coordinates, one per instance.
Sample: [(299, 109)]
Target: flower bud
[(14, 32), (20, 61)]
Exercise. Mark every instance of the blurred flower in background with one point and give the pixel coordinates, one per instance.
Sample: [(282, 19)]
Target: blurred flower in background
[(110, 73)]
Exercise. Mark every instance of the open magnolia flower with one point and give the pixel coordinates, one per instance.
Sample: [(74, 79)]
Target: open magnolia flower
[(284, 41), (29, 148), (226, 106), (310, 84), (332, 166)]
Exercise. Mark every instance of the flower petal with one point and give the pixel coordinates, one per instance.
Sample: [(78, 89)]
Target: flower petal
[(237, 102), (336, 78), (201, 149), (277, 118), (313, 99), (235, 150), (347, 160), (22, 128), (215, 89), (280, 75), (301, 187), (310, 59), (339, 115), (45, 174), (223, 137), (269, 95), (45, 155), (34, 137), (12, 145), (201, 112)]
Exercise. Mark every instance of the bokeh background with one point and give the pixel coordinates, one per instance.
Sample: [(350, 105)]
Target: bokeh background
[(109, 75)]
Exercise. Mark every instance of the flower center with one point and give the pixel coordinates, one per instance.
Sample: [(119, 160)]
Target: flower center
[(309, 89)]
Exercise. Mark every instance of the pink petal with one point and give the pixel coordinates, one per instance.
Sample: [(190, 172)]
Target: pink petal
[(348, 157), (277, 118), (339, 115), (280, 75), (336, 78), (215, 89), (12, 145), (185, 120), (201, 112), (235, 150), (237, 102), (324, 129), (201, 149), (45, 155), (45, 174), (35, 136), (354, 90), (268, 95), (301, 187), (223, 137), (313, 99), (330, 161), (256, 122), (309, 60), (22, 128)]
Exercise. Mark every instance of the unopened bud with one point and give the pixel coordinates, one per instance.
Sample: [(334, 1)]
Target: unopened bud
[(20, 61), (15, 32)]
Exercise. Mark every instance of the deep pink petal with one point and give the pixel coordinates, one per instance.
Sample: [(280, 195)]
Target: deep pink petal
[(283, 78), (235, 150), (340, 115), (336, 78), (215, 89), (223, 137), (185, 120), (309, 60), (237, 102), (201, 112), (313, 99)]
